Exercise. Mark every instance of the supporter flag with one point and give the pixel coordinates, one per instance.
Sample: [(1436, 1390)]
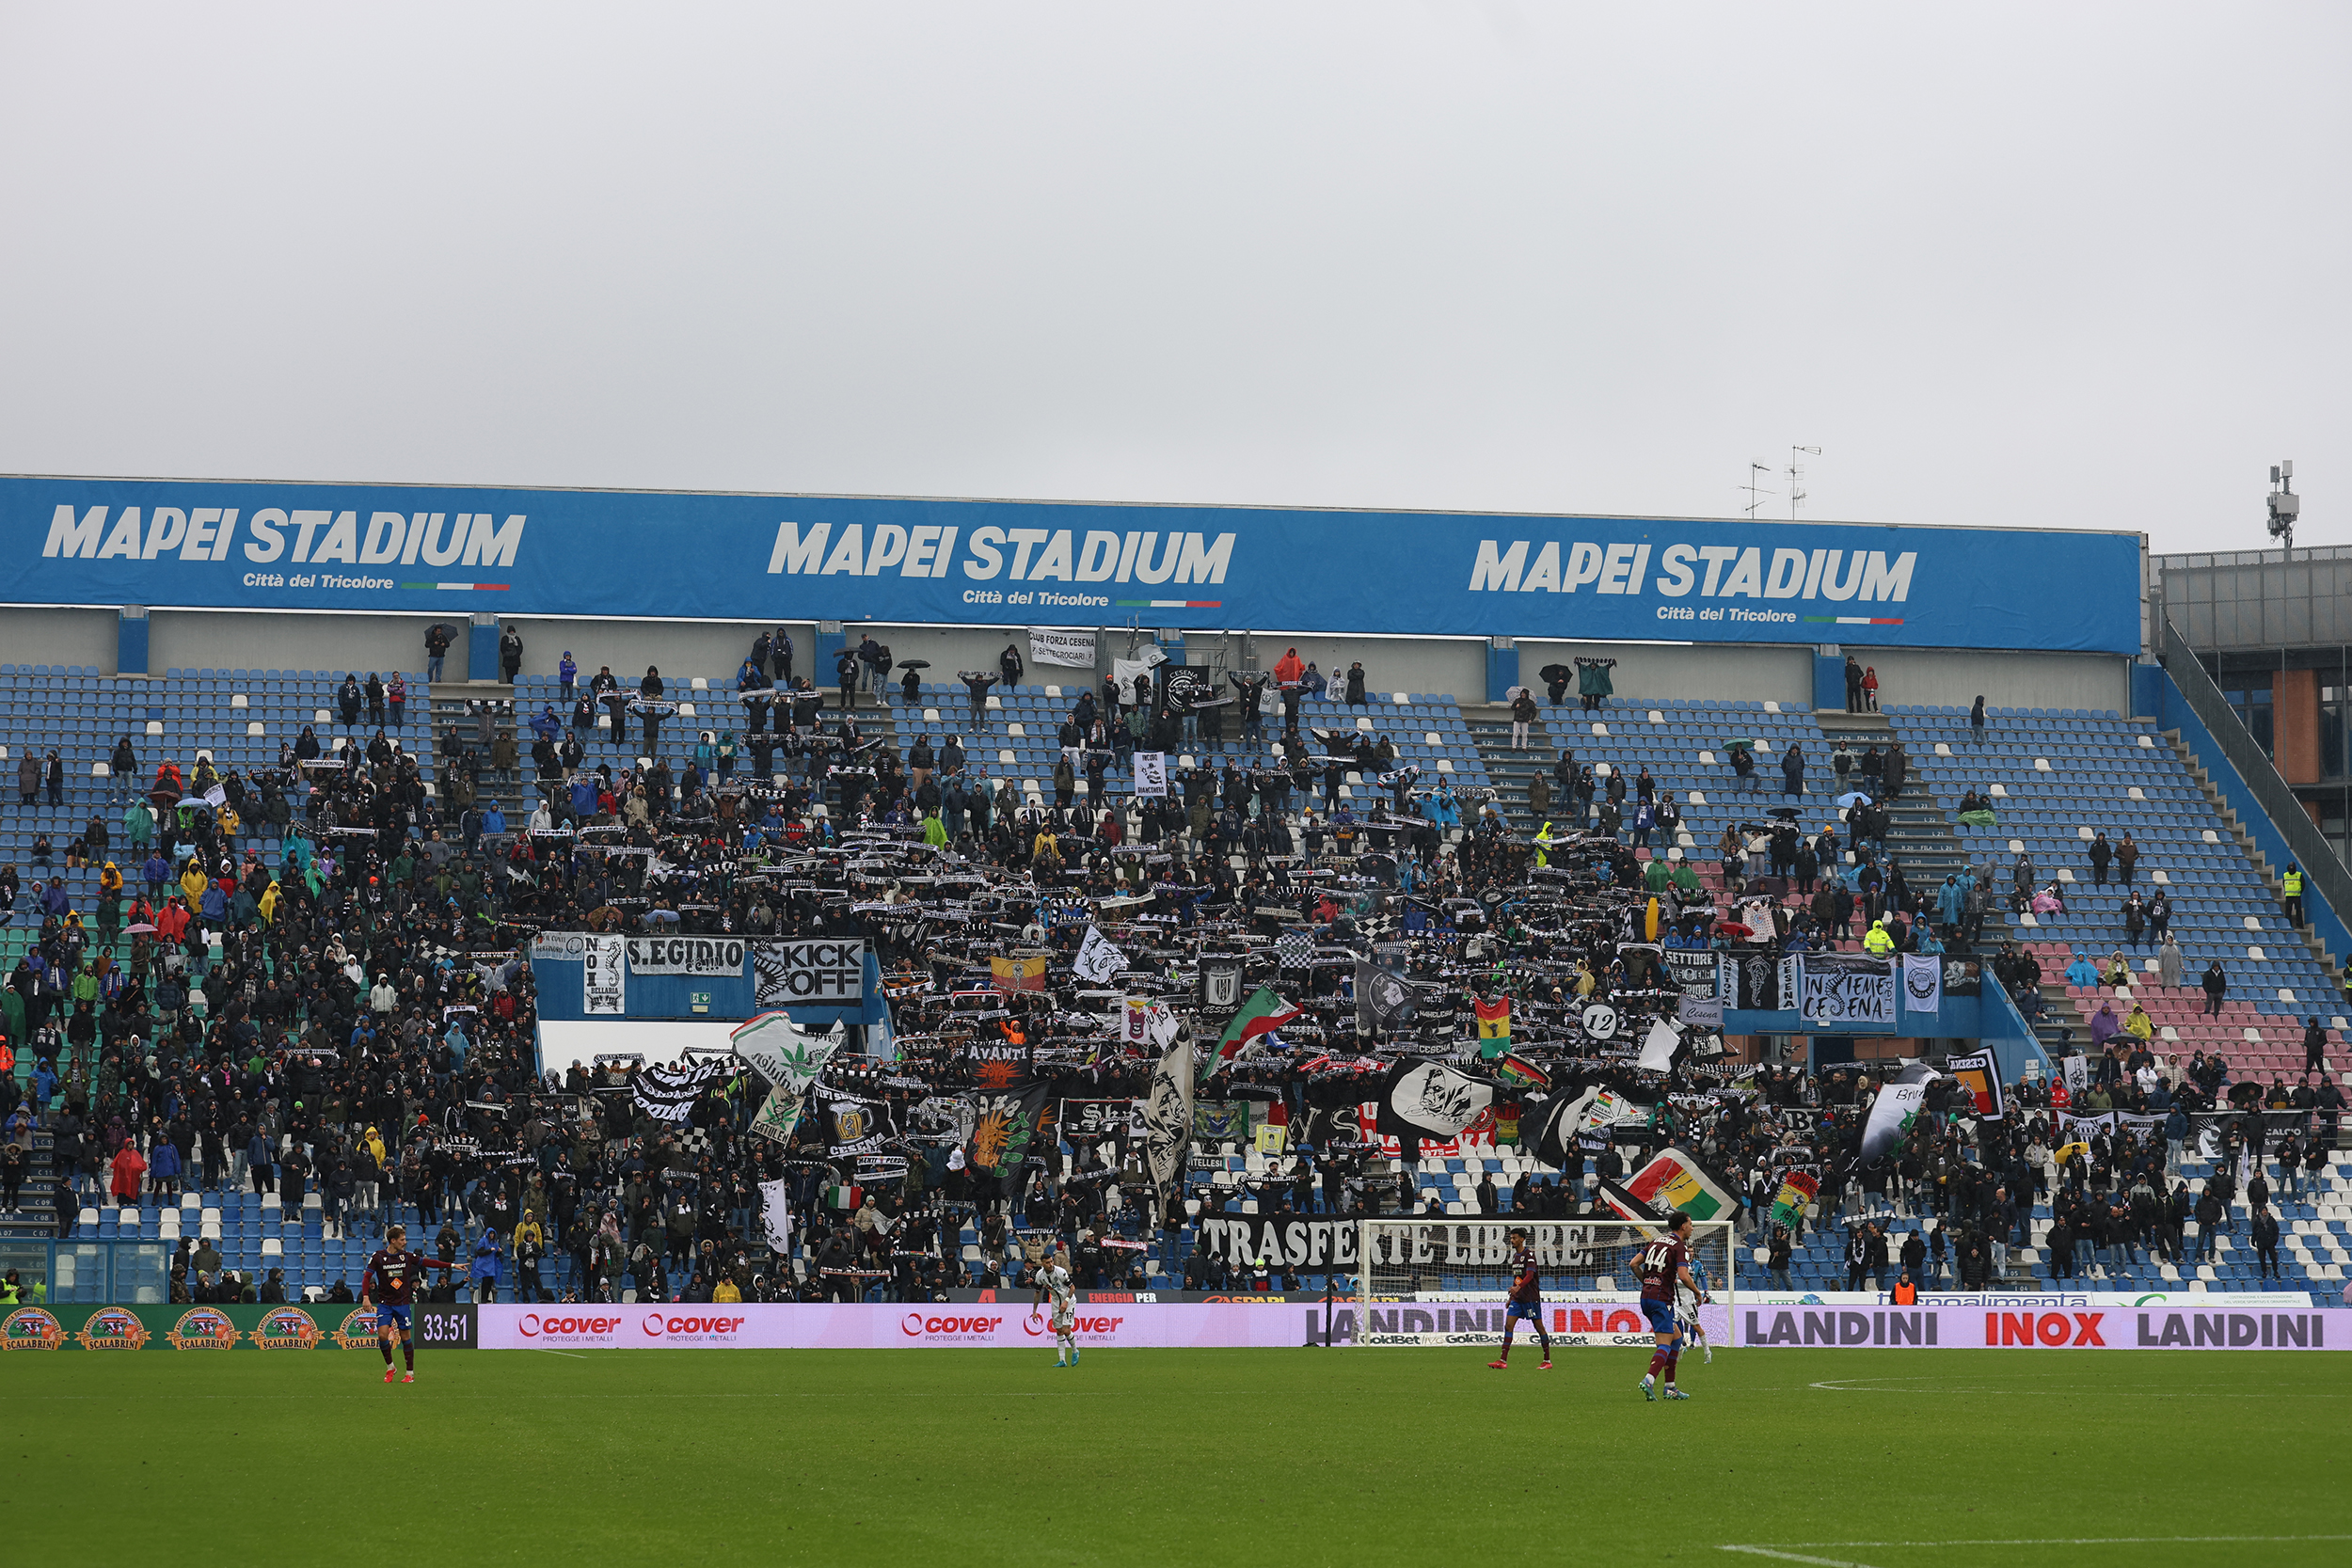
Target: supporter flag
[(1979, 1073), (1383, 997), (1891, 1115), (1548, 1127), (1798, 1189), (782, 1053), (842, 1197), (1658, 1047), (1220, 1121), (776, 1216), (1599, 1113), (856, 1124), (1676, 1179), (1098, 960), (1002, 1131), (1621, 1198), (1018, 973), (778, 1115), (1264, 1013), (1515, 1068), (1428, 1099), (667, 1093), (1494, 1024)]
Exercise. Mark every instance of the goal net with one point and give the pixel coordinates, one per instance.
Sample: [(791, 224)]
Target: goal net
[(1440, 1281)]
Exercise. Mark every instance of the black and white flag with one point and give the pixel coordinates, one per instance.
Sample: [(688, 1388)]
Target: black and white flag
[(855, 1124), (667, 1093), (1385, 1003), (1098, 960), (1429, 1099), (1548, 1128), (777, 1215), (1167, 1116)]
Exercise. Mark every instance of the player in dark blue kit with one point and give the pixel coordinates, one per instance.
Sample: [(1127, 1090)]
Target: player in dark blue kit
[(391, 1275), (1664, 1264), (1526, 1300)]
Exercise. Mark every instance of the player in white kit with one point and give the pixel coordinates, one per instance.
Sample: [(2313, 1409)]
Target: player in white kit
[(1057, 1284)]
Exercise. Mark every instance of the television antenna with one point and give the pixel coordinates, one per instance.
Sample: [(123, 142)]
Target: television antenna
[(2285, 505), (1796, 479), (1755, 492)]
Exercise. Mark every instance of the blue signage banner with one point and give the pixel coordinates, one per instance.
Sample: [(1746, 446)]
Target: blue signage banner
[(722, 996), (453, 551)]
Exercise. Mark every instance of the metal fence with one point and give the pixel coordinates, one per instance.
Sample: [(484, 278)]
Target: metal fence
[(92, 1272), (2323, 874)]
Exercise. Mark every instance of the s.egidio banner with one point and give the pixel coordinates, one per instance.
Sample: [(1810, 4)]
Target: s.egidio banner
[(876, 1325), (452, 550)]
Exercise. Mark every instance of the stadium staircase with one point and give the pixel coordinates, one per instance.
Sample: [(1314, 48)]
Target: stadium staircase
[(35, 1215), (453, 709), (1509, 768), (2255, 855)]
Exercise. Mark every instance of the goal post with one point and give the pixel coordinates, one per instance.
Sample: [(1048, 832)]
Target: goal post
[(1442, 1280)]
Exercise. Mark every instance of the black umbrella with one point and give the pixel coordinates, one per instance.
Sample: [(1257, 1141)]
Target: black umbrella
[(1555, 672), (914, 664)]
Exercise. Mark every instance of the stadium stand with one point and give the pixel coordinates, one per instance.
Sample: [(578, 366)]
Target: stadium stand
[(2054, 779)]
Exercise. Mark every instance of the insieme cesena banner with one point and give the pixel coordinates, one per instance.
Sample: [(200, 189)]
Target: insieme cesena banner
[(450, 551), (2043, 1328)]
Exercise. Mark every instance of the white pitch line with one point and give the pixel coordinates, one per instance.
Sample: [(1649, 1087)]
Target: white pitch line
[(1795, 1557), (2034, 1541), (544, 1351)]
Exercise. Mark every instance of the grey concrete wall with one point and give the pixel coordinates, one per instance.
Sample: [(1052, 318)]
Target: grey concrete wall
[(60, 637), (1770, 673), (1456, 665), (2004, 680), (684, 649)]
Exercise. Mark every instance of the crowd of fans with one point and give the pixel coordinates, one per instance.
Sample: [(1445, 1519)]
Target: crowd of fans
[(352, 1016)]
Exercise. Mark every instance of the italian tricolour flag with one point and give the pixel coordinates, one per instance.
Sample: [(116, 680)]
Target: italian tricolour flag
[(1264, 1013)]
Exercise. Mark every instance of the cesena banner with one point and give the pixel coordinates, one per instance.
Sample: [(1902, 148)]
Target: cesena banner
[(1845, 990), (709, 957), (451, 552), (2155, 1327), (1062, 645)]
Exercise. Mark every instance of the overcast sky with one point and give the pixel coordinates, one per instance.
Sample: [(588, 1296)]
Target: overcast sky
[(2046, 265)]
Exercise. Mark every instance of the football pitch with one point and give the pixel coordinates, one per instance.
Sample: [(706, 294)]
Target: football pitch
[(1916, 1459)]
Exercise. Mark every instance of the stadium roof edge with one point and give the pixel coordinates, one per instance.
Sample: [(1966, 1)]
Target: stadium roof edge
[(1065, 500)]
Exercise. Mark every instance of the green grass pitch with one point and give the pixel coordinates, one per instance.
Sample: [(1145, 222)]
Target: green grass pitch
[(1265, 1457)]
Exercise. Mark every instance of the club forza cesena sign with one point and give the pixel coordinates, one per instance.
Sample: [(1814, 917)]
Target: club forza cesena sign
[(451, 550)]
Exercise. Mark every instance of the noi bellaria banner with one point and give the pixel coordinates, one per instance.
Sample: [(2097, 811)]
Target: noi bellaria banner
[(448, 550)]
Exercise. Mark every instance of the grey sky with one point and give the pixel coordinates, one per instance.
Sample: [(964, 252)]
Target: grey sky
[(2077, 265)]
